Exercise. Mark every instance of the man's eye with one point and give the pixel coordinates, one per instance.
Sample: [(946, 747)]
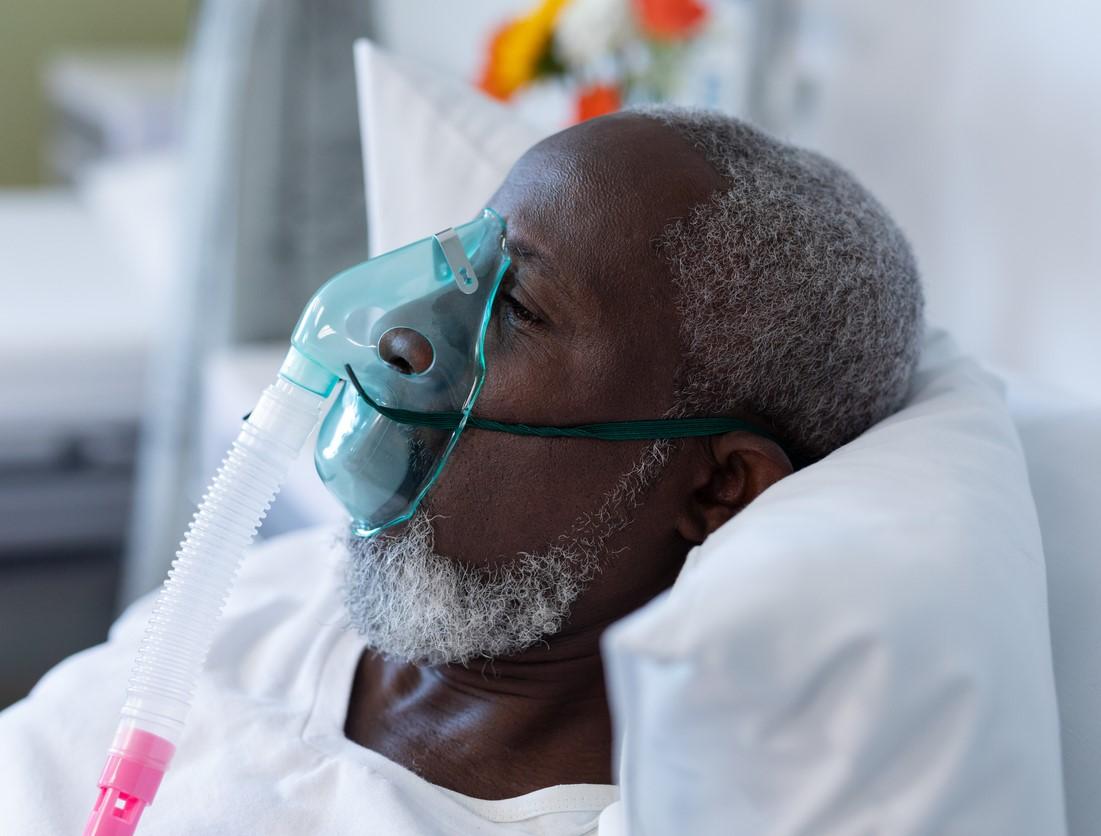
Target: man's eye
[(516, 312)]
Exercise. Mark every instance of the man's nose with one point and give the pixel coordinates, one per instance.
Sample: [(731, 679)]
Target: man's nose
[(406, 351)]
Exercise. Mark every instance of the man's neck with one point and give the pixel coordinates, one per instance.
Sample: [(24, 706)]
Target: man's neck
[(493, 729)]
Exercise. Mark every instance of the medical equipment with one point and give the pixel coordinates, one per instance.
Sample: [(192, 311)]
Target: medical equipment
[(379, 450)]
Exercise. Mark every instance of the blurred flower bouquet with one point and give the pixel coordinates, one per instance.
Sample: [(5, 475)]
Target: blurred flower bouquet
[(607, 52)]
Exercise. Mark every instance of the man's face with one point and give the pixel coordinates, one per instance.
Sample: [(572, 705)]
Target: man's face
[(584, 330)]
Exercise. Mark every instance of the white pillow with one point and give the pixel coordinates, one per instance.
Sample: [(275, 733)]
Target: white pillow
[(434, 149), (871, 633), (864, 649)]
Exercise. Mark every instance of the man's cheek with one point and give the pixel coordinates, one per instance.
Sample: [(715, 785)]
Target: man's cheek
[(501, 494), (483, 504)]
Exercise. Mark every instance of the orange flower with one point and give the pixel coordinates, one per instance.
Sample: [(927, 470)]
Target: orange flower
[(596, 100), (517, 49), (670, 19)]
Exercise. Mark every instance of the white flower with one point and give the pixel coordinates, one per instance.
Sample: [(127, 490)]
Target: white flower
[(587, 30)]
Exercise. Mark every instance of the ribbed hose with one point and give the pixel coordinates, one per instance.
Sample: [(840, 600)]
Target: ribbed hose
[(185, 615)]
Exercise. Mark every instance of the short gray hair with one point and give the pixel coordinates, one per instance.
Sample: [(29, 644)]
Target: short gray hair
[(799, 297)]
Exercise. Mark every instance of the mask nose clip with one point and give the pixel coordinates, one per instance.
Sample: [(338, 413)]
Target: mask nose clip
[(461, 268), (406, 351)]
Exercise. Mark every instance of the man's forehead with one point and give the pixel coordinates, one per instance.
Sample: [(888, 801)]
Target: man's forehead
[(600, 192)]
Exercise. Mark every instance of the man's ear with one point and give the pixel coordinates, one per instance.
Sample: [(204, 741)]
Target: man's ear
[(735, 469)]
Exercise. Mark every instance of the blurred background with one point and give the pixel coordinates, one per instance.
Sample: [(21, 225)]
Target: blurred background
[(177, 178)]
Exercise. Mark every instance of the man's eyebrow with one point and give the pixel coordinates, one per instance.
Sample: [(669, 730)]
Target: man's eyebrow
[(521, 249)]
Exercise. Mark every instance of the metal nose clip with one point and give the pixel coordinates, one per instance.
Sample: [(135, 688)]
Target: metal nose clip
[(461, 268)]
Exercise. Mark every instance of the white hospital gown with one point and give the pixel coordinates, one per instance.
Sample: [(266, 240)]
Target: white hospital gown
[(264, 750)]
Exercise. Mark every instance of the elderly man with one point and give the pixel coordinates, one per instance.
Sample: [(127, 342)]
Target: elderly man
[(665, 263)]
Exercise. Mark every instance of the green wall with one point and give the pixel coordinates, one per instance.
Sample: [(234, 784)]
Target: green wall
[(30, 30)]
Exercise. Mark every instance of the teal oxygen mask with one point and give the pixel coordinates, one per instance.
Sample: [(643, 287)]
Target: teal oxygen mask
[(437, 292)]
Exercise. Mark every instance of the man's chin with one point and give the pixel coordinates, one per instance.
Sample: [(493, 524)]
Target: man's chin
[(413, 604)]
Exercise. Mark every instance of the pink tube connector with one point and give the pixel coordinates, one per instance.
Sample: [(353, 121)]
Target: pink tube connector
[(136, 762)]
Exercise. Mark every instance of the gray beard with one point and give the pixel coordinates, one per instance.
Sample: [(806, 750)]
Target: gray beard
[(413, 604)]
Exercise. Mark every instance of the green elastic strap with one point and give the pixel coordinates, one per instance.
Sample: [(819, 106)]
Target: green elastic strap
[(611, 431)]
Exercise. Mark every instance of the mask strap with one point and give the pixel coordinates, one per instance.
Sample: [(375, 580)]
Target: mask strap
[(609, 431)]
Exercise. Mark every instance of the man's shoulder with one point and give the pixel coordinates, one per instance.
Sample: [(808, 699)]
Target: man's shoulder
[(291, 566), (287, 569), (286, 599)]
